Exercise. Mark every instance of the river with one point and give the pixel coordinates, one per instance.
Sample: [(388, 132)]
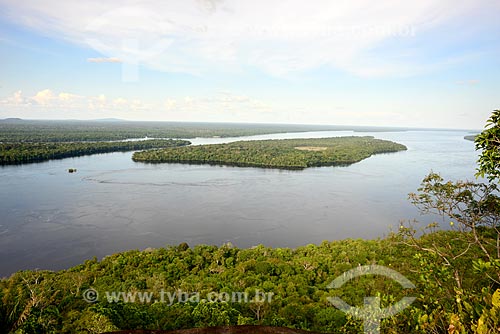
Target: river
[(51, 219)]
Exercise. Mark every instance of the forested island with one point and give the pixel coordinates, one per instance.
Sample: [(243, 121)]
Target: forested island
[(17, 153), (284, 153)]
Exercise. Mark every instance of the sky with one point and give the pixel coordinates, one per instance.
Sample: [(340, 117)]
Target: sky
[(427, 63)]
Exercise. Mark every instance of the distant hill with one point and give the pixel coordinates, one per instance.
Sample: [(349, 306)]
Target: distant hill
[(11, 120)]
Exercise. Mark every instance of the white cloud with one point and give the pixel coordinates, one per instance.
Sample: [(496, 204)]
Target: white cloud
[(97, 102), (43, 97), (227, 97), (226, 106), (102, 103), (279, 37), (104, 60), (120, 102), (47, 98), (16, 99), (64, 102), (170, 104), (68, 97), (221, 106)]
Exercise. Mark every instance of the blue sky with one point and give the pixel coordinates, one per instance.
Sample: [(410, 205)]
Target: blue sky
[(434, 63)]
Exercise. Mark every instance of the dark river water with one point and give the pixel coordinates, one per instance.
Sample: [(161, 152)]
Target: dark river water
[(50, 219)]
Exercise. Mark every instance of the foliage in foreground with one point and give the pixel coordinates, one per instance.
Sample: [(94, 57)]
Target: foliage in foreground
[(286, 153), (52, 302), (488, 143), (17, 153), (474, 210)]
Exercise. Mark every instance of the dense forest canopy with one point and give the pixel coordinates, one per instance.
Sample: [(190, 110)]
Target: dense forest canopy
[(65, 131), (53, 302), (285, 153), (17, 153)]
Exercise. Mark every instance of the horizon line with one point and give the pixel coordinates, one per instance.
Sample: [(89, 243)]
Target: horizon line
[(111, 119)]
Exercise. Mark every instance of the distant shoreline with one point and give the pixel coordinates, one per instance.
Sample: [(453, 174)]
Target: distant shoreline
[(471, 137)]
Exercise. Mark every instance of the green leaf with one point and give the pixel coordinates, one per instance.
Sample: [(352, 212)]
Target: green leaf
[(495, 300)]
